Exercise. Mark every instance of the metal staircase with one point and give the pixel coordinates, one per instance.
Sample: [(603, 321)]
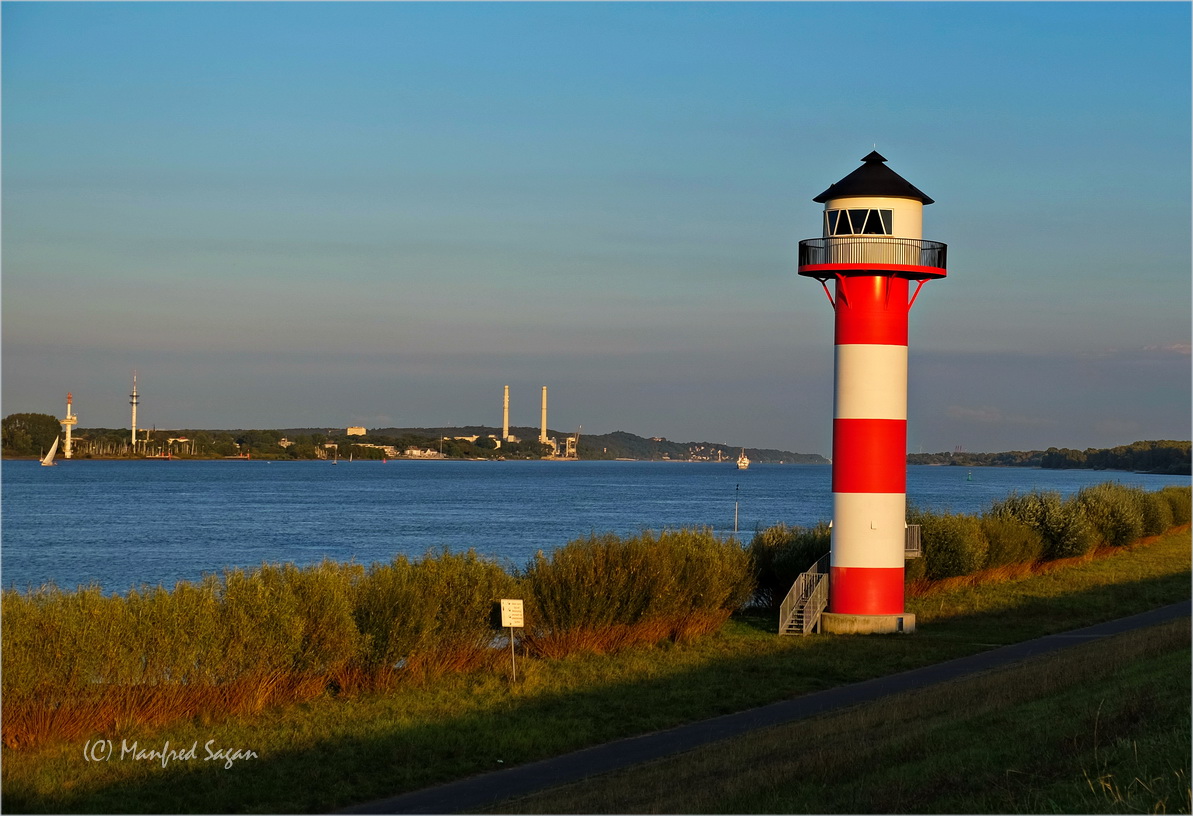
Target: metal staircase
[(800, 611)]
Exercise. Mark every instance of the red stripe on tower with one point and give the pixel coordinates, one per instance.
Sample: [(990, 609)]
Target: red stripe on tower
[(867, 455)]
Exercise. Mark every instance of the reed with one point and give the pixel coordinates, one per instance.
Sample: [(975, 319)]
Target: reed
[(604, 593), (78, 662), (81, 662), (428, 617)]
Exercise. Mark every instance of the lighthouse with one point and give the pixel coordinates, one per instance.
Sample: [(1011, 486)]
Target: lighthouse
[(68, 422), (871, 249)]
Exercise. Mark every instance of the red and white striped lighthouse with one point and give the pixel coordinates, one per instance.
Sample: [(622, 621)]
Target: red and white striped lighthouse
[(871, 249)]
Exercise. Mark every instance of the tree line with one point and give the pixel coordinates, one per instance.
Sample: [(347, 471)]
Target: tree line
[(1153, 456), (28, 435)]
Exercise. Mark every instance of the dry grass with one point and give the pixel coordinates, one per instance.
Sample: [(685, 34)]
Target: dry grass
[(78, 663)]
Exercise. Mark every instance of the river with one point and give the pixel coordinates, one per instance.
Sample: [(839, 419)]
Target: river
[(123, 523)]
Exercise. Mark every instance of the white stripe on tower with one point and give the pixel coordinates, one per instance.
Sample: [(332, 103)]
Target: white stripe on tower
[(871, 384)]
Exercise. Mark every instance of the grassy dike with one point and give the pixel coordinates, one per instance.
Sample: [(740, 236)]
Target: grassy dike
[(335, 750), (1099, 728)]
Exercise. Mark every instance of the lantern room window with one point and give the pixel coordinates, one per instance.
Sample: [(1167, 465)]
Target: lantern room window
[(858, 222)]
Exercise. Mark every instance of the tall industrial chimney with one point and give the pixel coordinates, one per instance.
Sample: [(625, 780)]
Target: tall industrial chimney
[(871, 249), (543, 432), (132, 400), (505, 416)]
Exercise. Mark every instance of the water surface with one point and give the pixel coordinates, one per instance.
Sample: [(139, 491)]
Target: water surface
[(123, 523)]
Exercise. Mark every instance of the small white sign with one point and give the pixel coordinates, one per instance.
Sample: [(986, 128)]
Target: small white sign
[(511, 613)]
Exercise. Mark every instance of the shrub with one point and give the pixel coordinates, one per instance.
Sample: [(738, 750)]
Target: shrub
[(169, 636), (1010, 541), (1114, 511), (914, 570), (1062, 525), (1029, 508), (259, 627), (1067, 533), (1156, 511), (429, 617), (953, 544), (713, 579), (58, 642), (603, 592), (457, 594), (1178, 498), (329, 640), (589, 592), (778, 554), (386, 600)]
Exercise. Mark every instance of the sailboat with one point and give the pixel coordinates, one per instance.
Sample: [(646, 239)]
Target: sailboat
[(743, 461), (48, 459)]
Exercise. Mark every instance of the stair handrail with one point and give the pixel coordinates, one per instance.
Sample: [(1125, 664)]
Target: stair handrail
[(809, 586), (913, 546)]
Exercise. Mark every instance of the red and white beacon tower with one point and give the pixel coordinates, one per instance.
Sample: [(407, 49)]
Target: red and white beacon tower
[(871, 249)]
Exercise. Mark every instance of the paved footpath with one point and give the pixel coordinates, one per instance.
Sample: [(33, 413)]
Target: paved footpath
[(471, 794)]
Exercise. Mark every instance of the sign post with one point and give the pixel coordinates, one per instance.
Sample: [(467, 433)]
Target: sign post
[(512, 618)]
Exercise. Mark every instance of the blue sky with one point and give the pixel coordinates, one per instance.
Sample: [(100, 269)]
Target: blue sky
[(330, 214)]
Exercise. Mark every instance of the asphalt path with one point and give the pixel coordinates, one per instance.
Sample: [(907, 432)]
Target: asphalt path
[(476, 792)]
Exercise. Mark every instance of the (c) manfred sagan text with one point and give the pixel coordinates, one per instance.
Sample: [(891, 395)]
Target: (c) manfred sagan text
[(105, 750)]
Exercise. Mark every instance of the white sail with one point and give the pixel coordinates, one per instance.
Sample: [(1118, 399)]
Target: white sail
[(48, 459)]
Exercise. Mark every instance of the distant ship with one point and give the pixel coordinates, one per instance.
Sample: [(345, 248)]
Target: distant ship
[(743, 461)]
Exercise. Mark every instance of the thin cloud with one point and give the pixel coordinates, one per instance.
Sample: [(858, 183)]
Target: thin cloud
[(989, 415), (1172, 349)]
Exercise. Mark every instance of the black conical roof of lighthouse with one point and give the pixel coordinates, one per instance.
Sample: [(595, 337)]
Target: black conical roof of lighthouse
[(873, 178)]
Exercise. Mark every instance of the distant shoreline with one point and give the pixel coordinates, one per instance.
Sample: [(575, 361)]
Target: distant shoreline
[(727, 463)]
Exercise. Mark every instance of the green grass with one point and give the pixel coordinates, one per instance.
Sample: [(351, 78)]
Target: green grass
[(336, 750), (1100, 728)]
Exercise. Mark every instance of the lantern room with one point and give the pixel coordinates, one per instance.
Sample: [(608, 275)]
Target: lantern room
[(873, 221)]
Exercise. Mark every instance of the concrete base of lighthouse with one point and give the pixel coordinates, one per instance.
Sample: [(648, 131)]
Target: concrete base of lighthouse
[(835, 623)]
